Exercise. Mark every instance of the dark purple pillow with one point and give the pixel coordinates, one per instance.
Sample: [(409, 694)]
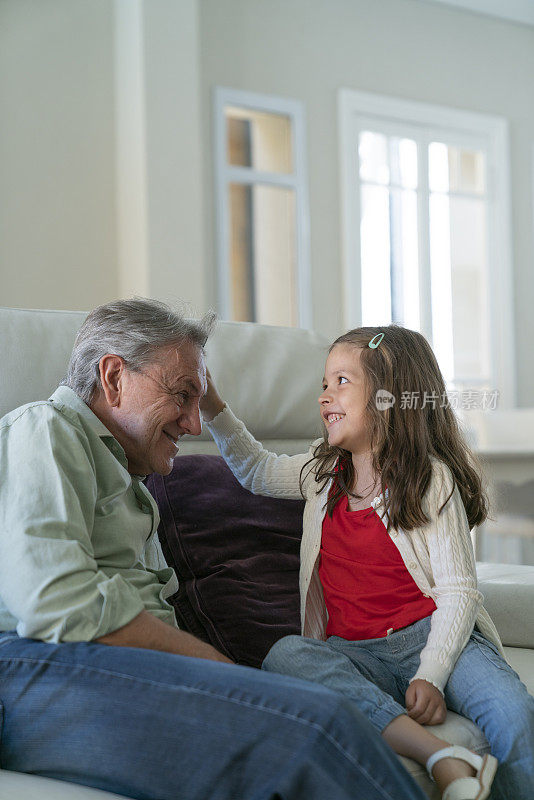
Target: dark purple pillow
[(236, 556)]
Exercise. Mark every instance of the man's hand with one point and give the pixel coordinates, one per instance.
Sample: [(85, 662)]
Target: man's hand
[(147, 631), (211, 404), (425, 703)]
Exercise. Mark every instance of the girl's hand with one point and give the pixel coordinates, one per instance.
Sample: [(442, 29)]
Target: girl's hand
[(211, 403), (425, 703)]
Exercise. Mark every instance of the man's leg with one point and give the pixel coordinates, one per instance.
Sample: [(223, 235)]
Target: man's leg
[(154, 725)]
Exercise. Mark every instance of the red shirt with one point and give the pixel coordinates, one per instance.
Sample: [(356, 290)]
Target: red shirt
[(367, 589)]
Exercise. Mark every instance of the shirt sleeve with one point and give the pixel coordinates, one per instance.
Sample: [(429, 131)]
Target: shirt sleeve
[(49, 578), (457, 598), (258, 470)]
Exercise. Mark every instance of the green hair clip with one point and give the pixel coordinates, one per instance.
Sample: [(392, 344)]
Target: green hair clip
[(375, 341)]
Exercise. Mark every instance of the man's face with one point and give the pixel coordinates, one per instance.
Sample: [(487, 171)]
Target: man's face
[(159, 405)]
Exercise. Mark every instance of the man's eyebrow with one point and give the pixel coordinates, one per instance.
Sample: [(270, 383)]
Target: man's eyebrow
[(179, 383)]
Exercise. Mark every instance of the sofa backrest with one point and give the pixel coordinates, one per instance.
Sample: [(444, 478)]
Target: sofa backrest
[(270, 376)]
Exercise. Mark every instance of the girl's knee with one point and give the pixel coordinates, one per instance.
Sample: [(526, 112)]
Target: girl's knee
[(284, 652)]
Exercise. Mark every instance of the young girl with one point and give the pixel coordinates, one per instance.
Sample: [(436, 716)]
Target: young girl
[(391, 614)]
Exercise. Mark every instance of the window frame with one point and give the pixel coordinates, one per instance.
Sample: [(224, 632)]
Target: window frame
[(358, 111), (225, 174)]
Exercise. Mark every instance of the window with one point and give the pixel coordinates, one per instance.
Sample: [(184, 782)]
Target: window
[(262, 216), (426, 232)]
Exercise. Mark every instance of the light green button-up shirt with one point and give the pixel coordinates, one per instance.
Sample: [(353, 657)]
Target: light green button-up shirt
[(79, 552)]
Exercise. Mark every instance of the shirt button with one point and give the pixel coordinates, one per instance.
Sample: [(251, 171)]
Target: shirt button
[(394, 533), (412, 565)]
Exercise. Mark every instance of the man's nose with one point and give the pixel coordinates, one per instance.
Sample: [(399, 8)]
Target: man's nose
[(193, 425)]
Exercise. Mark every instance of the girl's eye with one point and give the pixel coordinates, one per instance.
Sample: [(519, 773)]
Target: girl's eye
[(342, 379)]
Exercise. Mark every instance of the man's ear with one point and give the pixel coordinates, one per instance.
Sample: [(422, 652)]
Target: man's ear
[(111, 369)]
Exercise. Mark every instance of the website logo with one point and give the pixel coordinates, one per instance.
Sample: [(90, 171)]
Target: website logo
[(384, 399)]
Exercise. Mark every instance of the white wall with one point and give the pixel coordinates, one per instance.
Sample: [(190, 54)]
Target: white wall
[(57, 158), (308, 49), (174, 151), (100, 152)]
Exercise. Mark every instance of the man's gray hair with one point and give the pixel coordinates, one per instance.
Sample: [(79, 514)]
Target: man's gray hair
[(134, 330)]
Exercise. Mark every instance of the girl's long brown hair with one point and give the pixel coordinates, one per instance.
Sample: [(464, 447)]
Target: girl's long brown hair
[(405, 435)]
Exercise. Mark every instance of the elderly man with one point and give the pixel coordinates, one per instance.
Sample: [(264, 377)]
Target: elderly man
[(97, 683)]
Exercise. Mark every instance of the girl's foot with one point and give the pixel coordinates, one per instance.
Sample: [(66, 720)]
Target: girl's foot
[(461, 774)]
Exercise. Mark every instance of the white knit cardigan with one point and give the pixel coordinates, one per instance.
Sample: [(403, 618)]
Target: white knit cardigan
[(439, 556)]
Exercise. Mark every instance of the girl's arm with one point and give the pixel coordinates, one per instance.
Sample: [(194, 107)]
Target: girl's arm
[(258, 470), (456, 595)]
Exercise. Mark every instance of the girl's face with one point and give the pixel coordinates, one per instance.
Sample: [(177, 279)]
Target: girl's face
[(344, 400)]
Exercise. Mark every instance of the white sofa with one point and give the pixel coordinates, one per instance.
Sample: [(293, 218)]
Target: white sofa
[(271, 378)]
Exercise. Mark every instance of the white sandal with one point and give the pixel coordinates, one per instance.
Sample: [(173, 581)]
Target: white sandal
[(477, 788)]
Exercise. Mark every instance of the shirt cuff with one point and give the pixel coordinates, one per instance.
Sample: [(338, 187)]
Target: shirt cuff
[(224, 424), (121, 604), (433, 673)]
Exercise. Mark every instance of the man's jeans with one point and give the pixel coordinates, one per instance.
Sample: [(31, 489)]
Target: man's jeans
[(154, 725), (375, 674)]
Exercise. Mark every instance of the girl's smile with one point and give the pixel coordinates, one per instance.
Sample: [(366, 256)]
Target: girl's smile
[(333, 418)]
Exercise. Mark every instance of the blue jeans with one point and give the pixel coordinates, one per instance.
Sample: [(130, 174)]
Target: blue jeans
[(375, 674), (155, 725)]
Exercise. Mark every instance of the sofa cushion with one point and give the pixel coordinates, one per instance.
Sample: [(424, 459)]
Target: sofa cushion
[(19, 786), (508, 590), (236, 556)]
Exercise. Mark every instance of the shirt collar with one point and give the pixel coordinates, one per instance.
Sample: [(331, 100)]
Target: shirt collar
[(65, 396)]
